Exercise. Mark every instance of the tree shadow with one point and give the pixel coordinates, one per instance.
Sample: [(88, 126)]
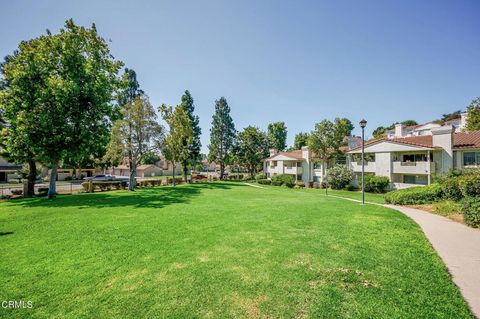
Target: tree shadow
[(5, 233), (155, 197)]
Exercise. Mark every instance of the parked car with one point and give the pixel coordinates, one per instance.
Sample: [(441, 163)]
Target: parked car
[(100, 177)]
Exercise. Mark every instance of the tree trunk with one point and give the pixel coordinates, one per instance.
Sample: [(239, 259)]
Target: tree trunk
[(31, 178), (185, 171), (52, 187), (133, 174), (173, 173), (222, 170)]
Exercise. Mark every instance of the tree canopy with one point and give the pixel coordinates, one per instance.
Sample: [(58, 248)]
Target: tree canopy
[(222, 135), (180, 134), (277, 135), (251, 148), (473, 115), (57, 95), (136, 134), (195, 145), (301, 140)]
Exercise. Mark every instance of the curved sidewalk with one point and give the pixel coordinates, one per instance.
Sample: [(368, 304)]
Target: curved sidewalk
[(459, 248)]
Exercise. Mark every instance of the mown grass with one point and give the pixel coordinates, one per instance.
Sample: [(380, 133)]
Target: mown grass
[(218, 250)]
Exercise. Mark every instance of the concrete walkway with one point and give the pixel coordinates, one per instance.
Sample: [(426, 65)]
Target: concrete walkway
[(459, 248)]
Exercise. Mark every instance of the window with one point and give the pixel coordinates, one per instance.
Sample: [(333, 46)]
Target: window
[(412, 179), (471, 159), (415, 158), (317, 165), (273, 163)]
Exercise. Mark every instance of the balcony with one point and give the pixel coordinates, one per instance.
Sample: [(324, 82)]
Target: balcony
[(413, 167), (357, 167), (293, 170)]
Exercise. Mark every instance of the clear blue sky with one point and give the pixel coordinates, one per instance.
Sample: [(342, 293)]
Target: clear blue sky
[(292, 61)]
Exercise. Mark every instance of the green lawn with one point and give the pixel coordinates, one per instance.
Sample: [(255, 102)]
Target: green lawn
[(219, 250)]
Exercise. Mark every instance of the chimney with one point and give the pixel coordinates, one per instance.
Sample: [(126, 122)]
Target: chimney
[(305, 152), (443, 137), (463, 121), (273, 152), (399, 130)]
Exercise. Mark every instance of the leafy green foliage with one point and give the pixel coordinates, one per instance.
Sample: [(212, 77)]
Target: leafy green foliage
[(260, 176), (222, 135), (264, 181), (470, 207), (137, 133), (56, 96), (451, 188), (415, 195), (180, 134), (283, 180), (339, 176), (301, 140), (473, 113), (277, 135), (376, 184), (150, 157), (251, 148), (470, 185), (195, 145)]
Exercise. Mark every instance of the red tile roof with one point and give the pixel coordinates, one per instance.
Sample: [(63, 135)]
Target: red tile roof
[(296, 154), (460, 140), (466, 140)]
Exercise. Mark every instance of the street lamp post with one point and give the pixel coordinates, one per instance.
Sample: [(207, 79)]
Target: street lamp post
[(363, 123)]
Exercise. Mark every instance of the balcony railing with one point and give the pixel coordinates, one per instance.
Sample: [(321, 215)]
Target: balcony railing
[(413, 167)]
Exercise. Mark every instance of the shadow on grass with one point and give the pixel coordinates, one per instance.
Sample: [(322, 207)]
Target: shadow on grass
[(156, 197), (5, 233)]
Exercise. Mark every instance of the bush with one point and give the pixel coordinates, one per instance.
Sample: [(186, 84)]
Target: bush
[(415, 195), (470, 186), (339, 176), (376, 184), (470, 208), (451, 188), (17, 192), (264, 181), (260, 176), (351, 187), (283, 180), (299, 184)]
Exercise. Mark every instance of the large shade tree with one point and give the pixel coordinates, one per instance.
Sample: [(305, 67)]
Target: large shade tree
[(222, 135), (277, 135), (176, 148), (194, 146), (251, 148), (327, 138), (57, 97), (135, 135)]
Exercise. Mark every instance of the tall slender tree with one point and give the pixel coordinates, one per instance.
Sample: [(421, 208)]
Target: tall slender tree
[(277, 135), (195, 145), (136, 134), (180, 135), (222, 135)]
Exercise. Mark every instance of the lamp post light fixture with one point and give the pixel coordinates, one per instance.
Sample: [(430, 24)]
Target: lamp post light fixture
[(363, 123)]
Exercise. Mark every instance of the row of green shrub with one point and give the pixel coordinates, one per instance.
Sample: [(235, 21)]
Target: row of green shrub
[(459, 187), (276, 180), (340, 177)]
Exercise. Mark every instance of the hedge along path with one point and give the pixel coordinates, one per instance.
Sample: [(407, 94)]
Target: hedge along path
[(456, 244)]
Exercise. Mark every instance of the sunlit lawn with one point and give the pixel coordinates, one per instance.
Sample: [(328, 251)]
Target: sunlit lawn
[(218, 250)]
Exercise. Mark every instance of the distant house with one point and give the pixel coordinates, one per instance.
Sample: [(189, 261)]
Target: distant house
[(146, 170), (401, 130), (8, 171)]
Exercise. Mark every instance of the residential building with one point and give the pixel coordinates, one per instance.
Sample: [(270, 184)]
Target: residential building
[(417, 160), (146, 170), (401, 130)]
